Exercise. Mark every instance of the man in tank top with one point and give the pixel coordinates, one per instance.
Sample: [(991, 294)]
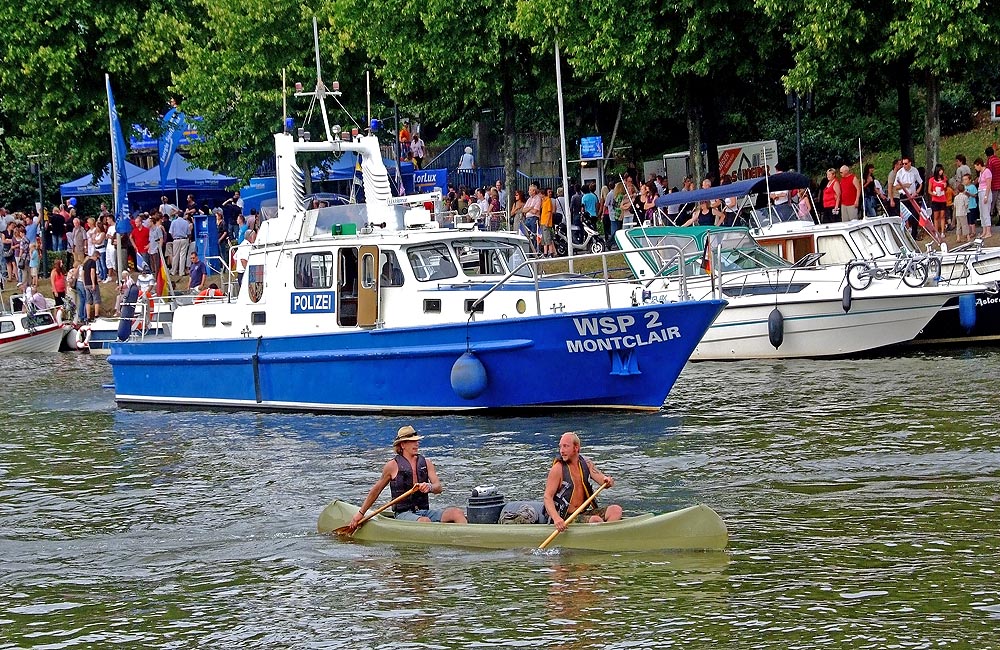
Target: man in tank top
[(407, 468), (568, 486)]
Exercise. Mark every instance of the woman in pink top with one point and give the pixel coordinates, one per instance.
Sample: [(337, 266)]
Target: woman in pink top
[(939, 200), (58, 279), (985, 180)]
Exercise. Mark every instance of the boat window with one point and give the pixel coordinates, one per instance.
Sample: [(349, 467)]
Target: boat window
[(836, 249), (954, 271), (664, 262), (368, 271), (6, 326), (763, 289), (391, 274), (489, 257), (987, 265), (314, 270), (739, 251), (891, 237), (867, 243), (431, 262), (37, 320)]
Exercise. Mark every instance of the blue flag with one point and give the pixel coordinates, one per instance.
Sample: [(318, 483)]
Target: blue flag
[(170, 139), (119, 181)]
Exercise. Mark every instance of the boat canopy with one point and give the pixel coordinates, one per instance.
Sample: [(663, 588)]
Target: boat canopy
[(775, 183)]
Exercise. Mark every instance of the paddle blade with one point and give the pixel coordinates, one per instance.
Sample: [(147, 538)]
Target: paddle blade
[(345, 531)]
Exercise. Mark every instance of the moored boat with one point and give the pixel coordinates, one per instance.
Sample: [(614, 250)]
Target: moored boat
[(972, 317), (23, 332), (777, 309), (694, 528)]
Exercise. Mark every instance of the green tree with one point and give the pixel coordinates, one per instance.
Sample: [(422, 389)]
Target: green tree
[(232, 77), (447, 60), (679, 59), (55, 57), (942, 36)]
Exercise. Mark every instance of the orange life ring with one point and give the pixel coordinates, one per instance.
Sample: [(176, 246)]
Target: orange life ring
[(207, 293)]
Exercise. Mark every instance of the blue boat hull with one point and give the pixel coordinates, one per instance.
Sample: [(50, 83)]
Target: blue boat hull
[(618, 358)]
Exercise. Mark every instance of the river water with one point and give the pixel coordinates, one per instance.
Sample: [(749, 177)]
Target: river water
[(861, 498)]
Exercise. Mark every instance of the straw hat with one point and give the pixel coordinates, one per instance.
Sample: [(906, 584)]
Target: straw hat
[(406, 434)]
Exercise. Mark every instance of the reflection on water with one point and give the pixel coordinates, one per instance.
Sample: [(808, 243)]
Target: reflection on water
[(860, 497)]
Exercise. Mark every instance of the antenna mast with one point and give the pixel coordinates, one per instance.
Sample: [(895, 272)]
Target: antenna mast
[(321, 90)]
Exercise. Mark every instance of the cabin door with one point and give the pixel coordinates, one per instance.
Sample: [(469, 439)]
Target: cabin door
[(368, 286)]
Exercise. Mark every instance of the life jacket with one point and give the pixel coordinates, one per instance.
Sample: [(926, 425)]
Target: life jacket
[(564, 495), (403, 481)]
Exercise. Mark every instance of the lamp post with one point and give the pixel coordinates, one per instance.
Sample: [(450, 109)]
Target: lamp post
[(796, 101), (35, 167)]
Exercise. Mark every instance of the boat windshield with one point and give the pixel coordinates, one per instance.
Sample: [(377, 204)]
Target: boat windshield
[(894, 238), (431, 262), (740, 252), (41, 319), (867, 244), (325, 220), (490, 257), (664, 260)]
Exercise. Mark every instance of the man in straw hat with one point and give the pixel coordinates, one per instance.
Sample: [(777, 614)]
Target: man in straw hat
[(568, 485), (400, 474)]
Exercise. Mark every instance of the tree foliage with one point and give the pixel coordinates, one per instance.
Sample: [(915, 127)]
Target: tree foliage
[(715, 70)]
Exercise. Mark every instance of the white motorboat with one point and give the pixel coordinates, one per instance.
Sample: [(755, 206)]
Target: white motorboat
[(777, 309), (26, 330), (971, 317)]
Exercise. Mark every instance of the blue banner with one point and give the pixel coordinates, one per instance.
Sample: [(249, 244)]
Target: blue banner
[(119, 180), (428, 180), (173, 131)]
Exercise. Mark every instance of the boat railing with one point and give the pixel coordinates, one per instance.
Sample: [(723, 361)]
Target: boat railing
[(605, 277), (489, 221)]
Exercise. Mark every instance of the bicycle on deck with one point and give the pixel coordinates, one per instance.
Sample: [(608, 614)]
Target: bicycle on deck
[(913, 268)]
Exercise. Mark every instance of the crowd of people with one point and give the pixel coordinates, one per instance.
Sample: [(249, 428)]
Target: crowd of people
[(965, 201), (158, 238)]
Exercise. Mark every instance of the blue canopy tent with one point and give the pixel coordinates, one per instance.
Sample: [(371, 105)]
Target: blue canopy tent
[(344, 168), (257, 191), (85, 185), (182, 176)]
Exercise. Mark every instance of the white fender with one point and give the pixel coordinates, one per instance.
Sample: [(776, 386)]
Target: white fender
[(83, 338), (59, 316)]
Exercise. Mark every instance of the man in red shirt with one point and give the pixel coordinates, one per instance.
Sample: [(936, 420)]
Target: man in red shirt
[(850, 194), (993, 164), (140, 239)]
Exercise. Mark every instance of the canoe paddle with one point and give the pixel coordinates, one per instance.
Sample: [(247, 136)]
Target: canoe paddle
[(573, 516), (349, 529)]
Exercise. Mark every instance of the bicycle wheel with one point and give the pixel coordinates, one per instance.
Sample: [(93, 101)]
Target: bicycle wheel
[(915, 274), (859, 276)]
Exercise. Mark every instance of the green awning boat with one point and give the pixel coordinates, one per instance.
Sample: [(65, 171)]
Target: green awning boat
[(694, 528)]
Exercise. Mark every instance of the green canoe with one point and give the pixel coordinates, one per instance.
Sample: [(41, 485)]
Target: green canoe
[(694, 528)]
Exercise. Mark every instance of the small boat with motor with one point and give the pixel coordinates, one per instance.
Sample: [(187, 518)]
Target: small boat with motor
[(694, 528), (777, 309), (372, 307), (25, 328)]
